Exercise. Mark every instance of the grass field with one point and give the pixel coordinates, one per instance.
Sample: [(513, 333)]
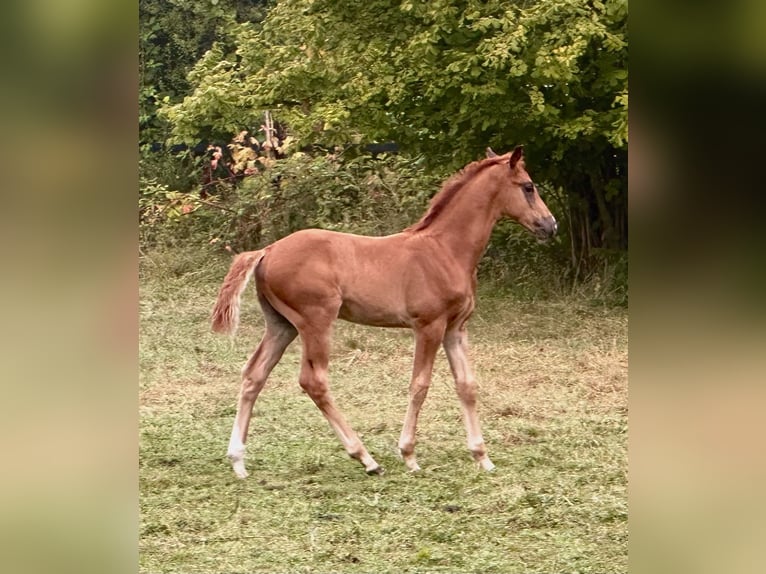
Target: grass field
[(552, 401)]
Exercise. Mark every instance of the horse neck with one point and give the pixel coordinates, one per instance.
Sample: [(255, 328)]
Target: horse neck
[(466, 223)]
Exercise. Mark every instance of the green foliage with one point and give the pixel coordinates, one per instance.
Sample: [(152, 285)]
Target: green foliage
[(443, 79), (175, 170), (164, 201), (361, 195), (163, 214), (173, 35), (158, 204), (427, 75)]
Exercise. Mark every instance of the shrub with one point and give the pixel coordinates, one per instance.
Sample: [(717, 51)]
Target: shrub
[(358, 195)]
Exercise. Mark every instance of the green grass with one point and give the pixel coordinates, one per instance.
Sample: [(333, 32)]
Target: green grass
[(553, 405)]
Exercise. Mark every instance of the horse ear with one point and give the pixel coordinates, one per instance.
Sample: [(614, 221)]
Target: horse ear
[(490, 153), (516, 156)]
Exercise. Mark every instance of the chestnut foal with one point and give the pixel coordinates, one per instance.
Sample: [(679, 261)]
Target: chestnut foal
[(423, 278)]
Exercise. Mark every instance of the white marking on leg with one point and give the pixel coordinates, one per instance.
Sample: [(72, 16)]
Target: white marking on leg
[(236, 452)]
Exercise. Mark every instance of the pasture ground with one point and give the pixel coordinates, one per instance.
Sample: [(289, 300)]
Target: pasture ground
[(552, 402)]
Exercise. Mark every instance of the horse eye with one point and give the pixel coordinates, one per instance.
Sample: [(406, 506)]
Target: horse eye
[(529, 187)]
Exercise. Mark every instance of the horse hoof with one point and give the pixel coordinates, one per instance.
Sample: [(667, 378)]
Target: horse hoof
[(379, 470), (239, 469)]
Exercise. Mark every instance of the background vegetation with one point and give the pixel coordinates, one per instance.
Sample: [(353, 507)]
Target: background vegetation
[(288, 95), (261, 118)]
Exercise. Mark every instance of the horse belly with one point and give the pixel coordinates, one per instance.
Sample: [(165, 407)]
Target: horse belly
[(374, 313)]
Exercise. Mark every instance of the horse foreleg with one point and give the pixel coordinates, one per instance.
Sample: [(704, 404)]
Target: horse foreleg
[(254, 375), (426, 344), (456, 347)]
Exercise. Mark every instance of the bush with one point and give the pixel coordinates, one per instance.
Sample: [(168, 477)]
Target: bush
[(358, 195)]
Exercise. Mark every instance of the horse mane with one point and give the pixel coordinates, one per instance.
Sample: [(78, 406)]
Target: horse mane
[(450, 188)]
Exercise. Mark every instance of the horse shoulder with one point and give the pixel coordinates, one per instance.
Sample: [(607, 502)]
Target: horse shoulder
[(435, 286)]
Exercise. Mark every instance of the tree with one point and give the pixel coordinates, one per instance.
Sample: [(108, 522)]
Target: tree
[(445, 79), (173, 35)]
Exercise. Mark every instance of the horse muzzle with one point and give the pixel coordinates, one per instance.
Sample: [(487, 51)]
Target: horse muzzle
[(546, 227)]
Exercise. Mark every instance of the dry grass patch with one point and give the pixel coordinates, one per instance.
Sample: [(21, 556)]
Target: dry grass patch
[(553, 404)]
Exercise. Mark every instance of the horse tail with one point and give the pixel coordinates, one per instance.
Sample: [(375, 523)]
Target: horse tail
[(225, 316)]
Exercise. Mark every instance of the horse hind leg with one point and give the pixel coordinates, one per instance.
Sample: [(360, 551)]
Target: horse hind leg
[(314, 381), (279, 334)]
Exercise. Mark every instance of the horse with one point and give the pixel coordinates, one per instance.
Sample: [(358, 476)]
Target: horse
[(422, 278)]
